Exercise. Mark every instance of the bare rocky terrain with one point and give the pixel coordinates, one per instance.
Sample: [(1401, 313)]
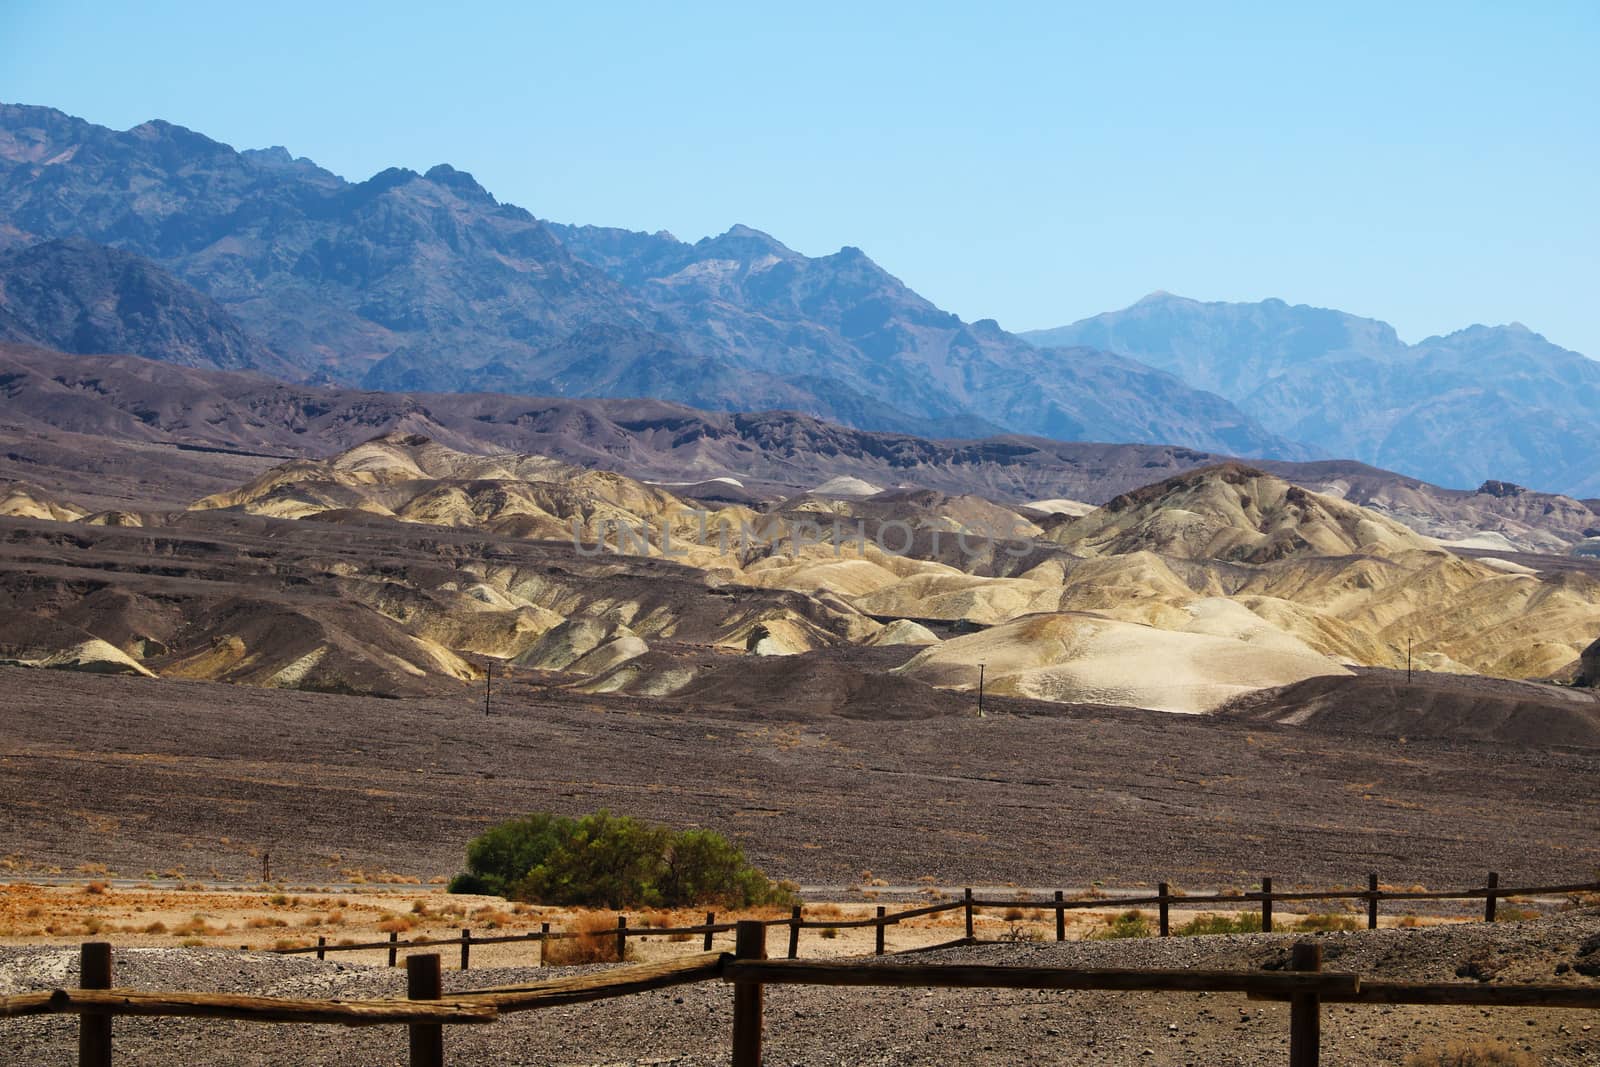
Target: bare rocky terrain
[(151, 774)]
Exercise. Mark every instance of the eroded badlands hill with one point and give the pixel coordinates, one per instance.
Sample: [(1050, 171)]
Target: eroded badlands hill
[(402, 565)]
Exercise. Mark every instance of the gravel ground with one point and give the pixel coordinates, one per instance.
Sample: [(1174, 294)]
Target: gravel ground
[(152, 775), (811, 1027)]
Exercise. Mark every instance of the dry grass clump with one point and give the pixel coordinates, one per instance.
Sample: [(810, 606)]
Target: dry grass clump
[(96, 888), (1514, 915), (596, 941), (1474, 1054), (661, 919), (1330, 922)]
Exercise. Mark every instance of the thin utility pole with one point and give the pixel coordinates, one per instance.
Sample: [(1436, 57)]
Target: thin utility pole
[(488, 684), (980, 690), (1408, 660)]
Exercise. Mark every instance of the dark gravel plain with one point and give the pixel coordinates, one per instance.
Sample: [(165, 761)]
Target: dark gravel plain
[(147, 775), (814, 1027)]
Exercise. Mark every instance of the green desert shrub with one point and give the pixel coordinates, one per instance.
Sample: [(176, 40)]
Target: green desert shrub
[(612, 861), (1125, 924), (1244, 922)]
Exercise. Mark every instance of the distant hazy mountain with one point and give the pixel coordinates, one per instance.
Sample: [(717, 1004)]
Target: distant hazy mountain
[(425, 281), (1486, 402), (77, 296)]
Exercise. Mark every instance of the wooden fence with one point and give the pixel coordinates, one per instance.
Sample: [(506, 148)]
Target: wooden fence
[(1163, 900), (426, 1011)]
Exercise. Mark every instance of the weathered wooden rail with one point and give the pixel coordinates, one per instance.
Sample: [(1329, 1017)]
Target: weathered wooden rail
[(1164, 899), (427, 1010)]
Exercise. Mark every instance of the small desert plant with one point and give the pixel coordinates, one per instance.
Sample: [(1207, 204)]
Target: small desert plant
[(1244, 922), (829, 933), (1126, 924), (95, 888), (1018, 933), (596, 941), (1012, 915), (1514, 915), (1328, 922), (1476, 1054)]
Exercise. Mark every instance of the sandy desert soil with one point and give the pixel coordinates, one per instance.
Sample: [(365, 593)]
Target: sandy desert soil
[(275, 918), (809, 1026), (145, 776)]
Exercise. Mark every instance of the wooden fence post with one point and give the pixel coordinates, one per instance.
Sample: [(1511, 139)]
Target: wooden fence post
[(1061, 917), (794, 932), (968, 898), (466, 947), (622, 938), (881, 925), (1163, 909), (423, 983), (544, 941), (322, 947), (711, 920), (1305, 1011), (1489, 901), (94, 1030), (1372, 901), (1266, 905), (393, 938), (750, 943)]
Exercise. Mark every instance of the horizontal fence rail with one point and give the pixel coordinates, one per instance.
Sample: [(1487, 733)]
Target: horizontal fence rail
[(427, 1010), (1164, 899)]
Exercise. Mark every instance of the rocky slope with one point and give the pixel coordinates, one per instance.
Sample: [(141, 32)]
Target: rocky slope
[(77, 296)]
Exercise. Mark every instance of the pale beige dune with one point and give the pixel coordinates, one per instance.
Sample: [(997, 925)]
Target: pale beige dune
[(1075, 657), (903, 632), (23, 501), (1061, 506), (611, 654)]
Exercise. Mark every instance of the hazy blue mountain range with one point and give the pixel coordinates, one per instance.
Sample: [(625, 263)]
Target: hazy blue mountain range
[(412, 281), (1485, 402)]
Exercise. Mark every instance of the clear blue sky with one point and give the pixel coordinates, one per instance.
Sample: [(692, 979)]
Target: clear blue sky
[(1429, 164)]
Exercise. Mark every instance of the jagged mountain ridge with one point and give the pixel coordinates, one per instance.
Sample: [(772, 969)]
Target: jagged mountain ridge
[(425, 281), (1350, 386)]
